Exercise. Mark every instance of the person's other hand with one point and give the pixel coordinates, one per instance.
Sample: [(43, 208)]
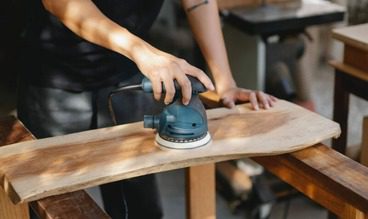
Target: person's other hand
[(161, 67), (258, 99)]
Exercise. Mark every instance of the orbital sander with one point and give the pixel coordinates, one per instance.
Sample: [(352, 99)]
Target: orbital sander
[(178, 126)]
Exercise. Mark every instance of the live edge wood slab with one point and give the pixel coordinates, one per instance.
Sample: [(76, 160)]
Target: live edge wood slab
[(66, 206), (40, 168)]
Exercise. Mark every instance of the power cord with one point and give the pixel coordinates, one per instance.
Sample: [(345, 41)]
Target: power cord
[(116, 91)]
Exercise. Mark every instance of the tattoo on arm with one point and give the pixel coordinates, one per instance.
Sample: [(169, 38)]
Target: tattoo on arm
[(204, 2)]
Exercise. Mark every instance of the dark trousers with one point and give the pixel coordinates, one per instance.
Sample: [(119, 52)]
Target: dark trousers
[(50, 112)]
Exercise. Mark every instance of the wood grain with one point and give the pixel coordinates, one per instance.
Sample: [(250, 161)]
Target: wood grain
[(355, 36), (75, 205), (326, 176), (200, 189), (9, 210), (37, 169)]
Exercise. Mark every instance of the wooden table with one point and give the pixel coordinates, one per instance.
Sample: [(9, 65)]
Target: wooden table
[(351, 76), (324, 175)]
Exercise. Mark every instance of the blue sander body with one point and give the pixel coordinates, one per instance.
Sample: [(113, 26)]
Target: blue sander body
[(180, 126)]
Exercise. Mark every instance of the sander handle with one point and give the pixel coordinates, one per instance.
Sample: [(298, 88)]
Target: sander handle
[(197, 86)]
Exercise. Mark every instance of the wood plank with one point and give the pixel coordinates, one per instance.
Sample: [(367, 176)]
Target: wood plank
[(71, 205), (57, 165), (200, 189), (355, 36), (364, 148), (324, 175)]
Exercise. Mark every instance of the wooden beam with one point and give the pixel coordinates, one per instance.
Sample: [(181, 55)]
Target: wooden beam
[(71, 205), (324, 175), (72, 162), (200, 189), (9, 210)]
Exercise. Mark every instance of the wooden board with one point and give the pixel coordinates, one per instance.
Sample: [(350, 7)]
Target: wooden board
[(41, 168), (355, 36), (71, 205)]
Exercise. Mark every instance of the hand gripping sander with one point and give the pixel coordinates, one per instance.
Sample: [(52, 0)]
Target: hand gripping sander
[(178, 126)]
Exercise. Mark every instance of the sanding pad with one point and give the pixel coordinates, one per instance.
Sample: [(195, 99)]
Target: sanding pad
[(165, 144)]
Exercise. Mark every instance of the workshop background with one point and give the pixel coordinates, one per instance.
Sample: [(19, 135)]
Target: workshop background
[(314, 90)]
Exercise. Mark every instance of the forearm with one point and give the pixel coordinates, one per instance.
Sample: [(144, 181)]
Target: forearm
[(205, 24), (87, 21)]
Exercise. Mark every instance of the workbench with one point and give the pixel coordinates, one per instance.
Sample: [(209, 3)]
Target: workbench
[(248, 25), (47, 173)]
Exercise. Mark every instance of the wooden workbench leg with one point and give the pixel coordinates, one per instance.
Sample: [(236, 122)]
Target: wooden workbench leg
[(364, 153), (341, 112), (10, 211), (201, 197), (353, 213)]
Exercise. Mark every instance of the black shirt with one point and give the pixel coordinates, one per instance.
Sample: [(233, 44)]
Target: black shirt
[(56, 57)]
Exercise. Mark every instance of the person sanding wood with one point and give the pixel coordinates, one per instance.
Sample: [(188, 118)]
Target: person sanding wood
[(77, 51)]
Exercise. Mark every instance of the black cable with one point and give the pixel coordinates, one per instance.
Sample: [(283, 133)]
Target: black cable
[(116, 91)]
